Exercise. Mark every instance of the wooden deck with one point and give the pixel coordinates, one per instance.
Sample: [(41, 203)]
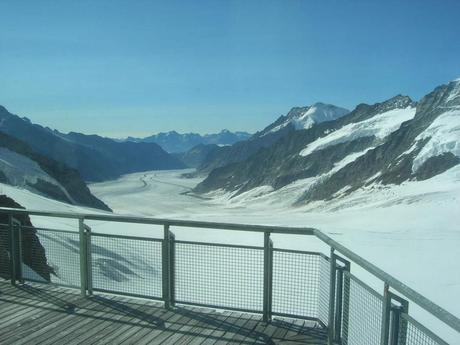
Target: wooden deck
[(41, 314)]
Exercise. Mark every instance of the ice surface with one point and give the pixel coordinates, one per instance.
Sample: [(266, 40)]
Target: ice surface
[(410, 230)]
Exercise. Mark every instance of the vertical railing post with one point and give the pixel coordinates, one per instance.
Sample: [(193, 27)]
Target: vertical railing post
[(342, 299), (332, 283), (20, 254), (385, 315), (12, 249), (83, 257), (172, 266), (89, 261), (16, 254), (168, 258), (346, 302), (403, 323), (338, 306), (268, 277), (398, 327), (395, 320)]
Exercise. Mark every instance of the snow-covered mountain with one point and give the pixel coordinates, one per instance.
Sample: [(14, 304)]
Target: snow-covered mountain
[(20, 166), (385, 143), (95, 157), (298, 118), (174, 142), (306, 117)]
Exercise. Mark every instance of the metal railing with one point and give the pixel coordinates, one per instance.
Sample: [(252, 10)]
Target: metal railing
[(258, 279)]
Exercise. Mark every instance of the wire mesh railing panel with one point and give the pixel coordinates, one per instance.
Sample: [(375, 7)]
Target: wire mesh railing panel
[(4, 252), (126, 265), (364, 322), (296, 279), (413, 333), (55, 258), (218, 275), (324, 288)]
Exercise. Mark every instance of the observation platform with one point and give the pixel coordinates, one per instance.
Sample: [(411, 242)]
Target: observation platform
[(46, 314), (109, 288)]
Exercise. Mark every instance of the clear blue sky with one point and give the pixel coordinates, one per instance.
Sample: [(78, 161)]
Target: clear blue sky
[(121, 68)]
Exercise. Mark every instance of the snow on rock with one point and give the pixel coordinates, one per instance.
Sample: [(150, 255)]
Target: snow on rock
[(379, 126), (317, 113), (22, 171), (444, 136), (455, 93)]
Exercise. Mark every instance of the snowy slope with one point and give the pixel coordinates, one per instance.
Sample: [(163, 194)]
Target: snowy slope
[(443, 135), (414, 221), (22, 171), (304, 118), (379, 126)]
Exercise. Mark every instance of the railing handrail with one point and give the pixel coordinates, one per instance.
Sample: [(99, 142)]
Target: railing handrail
[(431, 307), (163, 221)]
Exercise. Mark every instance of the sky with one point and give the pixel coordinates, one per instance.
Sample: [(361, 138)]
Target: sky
[(120, 68)]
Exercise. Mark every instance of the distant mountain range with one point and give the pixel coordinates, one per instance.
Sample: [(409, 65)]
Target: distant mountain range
[(385, 143), (96, 158), (320, 151), (21, 166), (207, 158), (174, 142)]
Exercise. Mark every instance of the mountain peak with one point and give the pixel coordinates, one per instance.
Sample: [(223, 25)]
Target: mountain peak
[(316, 113)]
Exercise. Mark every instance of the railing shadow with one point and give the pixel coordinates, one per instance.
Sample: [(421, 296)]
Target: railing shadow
[(181, 321)]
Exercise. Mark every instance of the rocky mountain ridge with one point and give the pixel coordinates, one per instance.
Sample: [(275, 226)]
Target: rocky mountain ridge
[(96, 158), (23, 167), (381, 143), (174, 142)]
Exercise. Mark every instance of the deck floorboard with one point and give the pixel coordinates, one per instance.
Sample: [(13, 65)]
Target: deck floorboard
[(50, 315)]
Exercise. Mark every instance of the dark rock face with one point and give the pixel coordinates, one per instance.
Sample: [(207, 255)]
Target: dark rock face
[(279, 163), (69, 178), (387, 160), (95, 158), (196, 155), (243, 150), (393, 159), (34, 254), (240, 151), (436, 165)]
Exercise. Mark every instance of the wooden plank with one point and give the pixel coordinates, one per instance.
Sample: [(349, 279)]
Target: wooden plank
[(155, 337), (103, 318), (245, 334), (282, 327), (124, 324), (41, 315), (138, 337), (141, 316), (263, 333), (203, 320), (217, 319), (191, 319), (78, 325), (36, 313), (229, 328), (45, 325), (219, 331)]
